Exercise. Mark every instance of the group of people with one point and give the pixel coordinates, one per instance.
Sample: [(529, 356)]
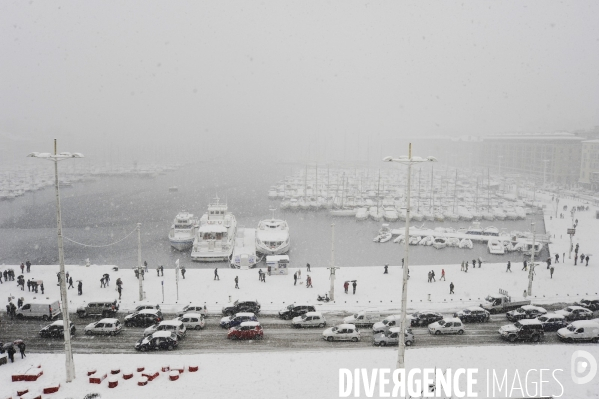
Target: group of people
[(431, 276), (354, 285), (8, 274), (26, 265), (10, 351), (582, 256), (464, 267)]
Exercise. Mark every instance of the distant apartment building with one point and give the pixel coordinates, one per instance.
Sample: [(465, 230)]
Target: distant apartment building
[(549, 157), (589, 165)]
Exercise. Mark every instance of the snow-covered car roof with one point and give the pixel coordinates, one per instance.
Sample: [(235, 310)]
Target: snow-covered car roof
[(59, 323), (475, 308), (452, 320), (247, 314), (313, 314), (529, 322), (250, 324), (148, 311), (163, 334), (532, 307), (585, 323), (554, 315), (199, 316), (175, 322), (346, 326), (574, 307), (109, 320)]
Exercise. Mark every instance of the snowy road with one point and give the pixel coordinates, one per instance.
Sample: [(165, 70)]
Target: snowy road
[(278, 336)]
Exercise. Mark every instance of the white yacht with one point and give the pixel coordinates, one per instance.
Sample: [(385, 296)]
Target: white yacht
[(272, 237), (183, 231), (215, 238)]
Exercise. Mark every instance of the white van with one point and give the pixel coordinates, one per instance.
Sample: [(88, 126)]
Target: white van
[(388, 322), (581, 330), (45, 308), (363, 318)]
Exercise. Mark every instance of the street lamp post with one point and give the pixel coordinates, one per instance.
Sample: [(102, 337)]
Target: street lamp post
[(406, 160), (140, 275), (69, 364), (332, 268)]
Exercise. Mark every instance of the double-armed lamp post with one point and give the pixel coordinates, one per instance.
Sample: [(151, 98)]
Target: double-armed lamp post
[(408, 160), (70, 365)]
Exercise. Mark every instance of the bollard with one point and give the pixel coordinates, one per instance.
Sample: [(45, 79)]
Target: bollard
[(429, 297)]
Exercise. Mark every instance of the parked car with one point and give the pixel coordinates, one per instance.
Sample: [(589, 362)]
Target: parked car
[(104, 326), (160, 340), (192, 309), (294, 310), (242, 306), (423, 319), (342, 332), (473, 314), (310, 319), (246, 330), (363, 318), (147, 306), (56, 330), (388, 322), (591, 303), (525, 329), (193, 321), (552, 321), (391, 337), (525, 312), (232, 321), (447, 326), (572, 313), (143, 318), (104, 309), (175, 326), (581, 330)]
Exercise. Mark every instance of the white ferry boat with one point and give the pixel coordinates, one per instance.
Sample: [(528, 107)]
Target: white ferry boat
[(272, 236), (244, 252), (183, 231), (215, 238)]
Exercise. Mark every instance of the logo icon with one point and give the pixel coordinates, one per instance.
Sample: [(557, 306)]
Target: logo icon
[(583, 367)]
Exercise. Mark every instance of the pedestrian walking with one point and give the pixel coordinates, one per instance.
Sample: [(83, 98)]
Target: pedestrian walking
[(183, 272), (259, 274), (107, 279), (264, 277), (548, 263), (28, 265), (525, 266), (451, 286), (1, 277), (216, 274), (433, 276), (299, 274), (22, 347), (386, 267), (22, 267), (466, 267), (161, 270), (587, 259), (42, 288), (509, 267), (429, 277), (442, 275), (354, 285), (309, 282), (346, 286), (70, 283), (402, 260), (462, 267), (11, 353), (120, 290), (29, 285), (236, 282), (551, 271), (581, 258), (102, 283), (67, 280), (308, 268), (79, 287), (556, 258), (158, 271), (145, 265), (480, 262), (474, 263), (20, 302), (295, 278)]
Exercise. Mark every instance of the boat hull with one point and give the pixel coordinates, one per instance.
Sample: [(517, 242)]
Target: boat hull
[(180, 244)]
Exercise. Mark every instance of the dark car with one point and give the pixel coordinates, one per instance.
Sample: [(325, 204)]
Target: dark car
[(590, 303), (160, 340), (552, 321), (242, 306), (523, 330), (146, 306), (422, 319), (104, 308), (472, 314), (294, 310), (525, 312), (232, 321), (143, 318), (55, 330)]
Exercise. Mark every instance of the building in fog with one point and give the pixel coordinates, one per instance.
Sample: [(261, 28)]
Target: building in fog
[(589, 165)]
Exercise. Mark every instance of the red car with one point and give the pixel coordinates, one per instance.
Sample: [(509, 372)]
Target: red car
[(246, 330)]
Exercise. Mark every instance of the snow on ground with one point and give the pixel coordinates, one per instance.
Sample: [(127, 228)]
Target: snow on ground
[(293, 375)]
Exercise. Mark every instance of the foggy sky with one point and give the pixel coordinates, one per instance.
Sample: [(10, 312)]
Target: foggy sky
[(140, 76)]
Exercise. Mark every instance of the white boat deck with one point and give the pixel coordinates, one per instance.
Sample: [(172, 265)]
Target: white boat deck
[(244, 251)]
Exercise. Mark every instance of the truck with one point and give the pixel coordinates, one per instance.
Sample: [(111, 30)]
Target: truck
[(503, 302), (46, 309)]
